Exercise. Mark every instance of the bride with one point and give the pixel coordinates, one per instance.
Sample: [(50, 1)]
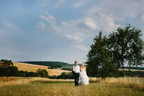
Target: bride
[(83, 78)]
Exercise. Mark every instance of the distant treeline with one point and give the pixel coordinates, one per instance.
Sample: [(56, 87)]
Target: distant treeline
[(64, 75), (7, 69), (56, 64), (69, 75), (52, 64), (123, 74), (65, 66), (136, 68), (131, 73)]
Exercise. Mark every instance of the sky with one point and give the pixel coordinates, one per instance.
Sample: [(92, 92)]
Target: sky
[(61, 30)]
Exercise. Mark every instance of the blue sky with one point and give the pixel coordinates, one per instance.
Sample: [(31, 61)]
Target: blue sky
[(61, 30)]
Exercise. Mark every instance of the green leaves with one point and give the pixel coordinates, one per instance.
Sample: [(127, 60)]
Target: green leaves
[(109, 53), (7, 68), (99, 57), (42, 72), (127, 44), (5, 63)]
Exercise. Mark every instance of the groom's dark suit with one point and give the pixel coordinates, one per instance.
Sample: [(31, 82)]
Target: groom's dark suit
[(76, 70)]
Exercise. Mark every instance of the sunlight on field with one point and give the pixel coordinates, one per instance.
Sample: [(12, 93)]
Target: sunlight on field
[(33, 86), (28, 67), (131, 70), (46, 87), (6, 81), (133, 82), (34, 68)]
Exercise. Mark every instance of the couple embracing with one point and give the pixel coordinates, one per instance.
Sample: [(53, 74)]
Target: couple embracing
[(80, 75)]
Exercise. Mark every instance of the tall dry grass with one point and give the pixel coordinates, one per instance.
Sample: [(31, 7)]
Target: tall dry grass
[(52, 88), (132, 82), (8, 81)]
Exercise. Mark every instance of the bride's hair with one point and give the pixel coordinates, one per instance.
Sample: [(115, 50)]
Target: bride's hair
[(83, 64)]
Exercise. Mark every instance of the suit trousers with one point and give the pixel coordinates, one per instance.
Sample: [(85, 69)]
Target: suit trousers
[(76, 78)]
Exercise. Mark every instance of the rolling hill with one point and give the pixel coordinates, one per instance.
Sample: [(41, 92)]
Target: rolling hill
[(31, 67)]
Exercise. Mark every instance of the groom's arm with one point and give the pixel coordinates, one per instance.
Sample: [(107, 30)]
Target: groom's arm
[(73, 70)]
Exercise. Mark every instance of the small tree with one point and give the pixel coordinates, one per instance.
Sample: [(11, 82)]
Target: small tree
[(42, 72), (12, 71), (5, 63), (7, 68)]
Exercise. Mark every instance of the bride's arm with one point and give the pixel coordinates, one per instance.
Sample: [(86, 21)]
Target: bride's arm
[(80, 71)]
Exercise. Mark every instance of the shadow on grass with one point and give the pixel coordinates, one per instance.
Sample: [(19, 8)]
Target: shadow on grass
[(38, 81), (95, 81), (53, 82)]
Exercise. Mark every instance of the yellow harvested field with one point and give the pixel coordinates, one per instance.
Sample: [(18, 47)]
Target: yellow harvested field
[(28, 67), (34, 68), (131, 70)]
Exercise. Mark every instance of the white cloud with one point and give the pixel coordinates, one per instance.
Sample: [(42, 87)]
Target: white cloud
[(107, 23), (80, 29), (91, 24), (49, 18), (74, 37), (40, 26), (119, 8), (81, 47), (51, 21), (103, 16), (69, 29), (108, 15)]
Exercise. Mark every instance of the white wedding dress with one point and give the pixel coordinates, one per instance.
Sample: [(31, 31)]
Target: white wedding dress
[(83, 78)]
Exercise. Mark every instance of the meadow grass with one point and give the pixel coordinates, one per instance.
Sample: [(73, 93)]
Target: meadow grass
[(7, 81), (67, 88), (132, 82)]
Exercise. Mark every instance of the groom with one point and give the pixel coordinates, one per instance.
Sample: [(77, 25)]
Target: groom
[(76, 70)]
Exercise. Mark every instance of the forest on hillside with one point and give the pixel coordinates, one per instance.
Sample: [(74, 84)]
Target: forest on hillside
[(56, 64)]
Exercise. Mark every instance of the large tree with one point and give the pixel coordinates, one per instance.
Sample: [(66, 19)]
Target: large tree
[(126, 44), (108, 54)]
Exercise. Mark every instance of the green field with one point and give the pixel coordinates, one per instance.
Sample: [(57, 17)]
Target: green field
[(67, 88)]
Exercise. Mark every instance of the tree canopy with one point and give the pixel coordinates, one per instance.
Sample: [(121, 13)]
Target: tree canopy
[(126, 44), (109, 53), (7, 68)]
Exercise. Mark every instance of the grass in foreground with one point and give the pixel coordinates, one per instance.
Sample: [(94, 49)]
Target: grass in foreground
[(67, 88)]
